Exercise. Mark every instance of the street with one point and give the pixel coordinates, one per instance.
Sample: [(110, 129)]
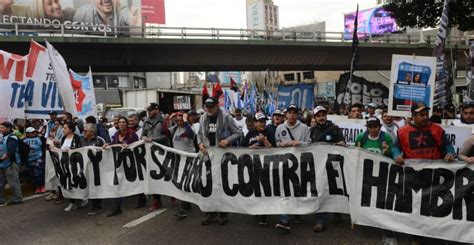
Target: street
[(37, 221)]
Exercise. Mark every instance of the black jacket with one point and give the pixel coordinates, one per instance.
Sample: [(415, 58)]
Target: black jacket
[(329, 133)]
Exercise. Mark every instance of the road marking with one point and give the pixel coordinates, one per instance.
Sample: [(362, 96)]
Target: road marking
[(144, 218), (34, 196)]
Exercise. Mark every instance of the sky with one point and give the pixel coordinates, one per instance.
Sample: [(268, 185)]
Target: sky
[(232, 13)]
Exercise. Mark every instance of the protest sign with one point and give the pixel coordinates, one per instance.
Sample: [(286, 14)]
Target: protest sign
[(359, 90), (301, 95), (411, 81), (63, 79), (83, 88), (28, 87), (315, 178)]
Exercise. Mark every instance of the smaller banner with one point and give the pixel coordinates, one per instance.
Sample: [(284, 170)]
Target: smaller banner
[(359, 91), (411, 81), (301, 95), (83, 88), (63, 79)]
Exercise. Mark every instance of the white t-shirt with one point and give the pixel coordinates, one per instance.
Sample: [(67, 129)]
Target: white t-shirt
[(112, 131), (242, 125)]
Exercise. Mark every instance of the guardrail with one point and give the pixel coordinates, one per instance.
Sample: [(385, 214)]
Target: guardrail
[(162, 32)]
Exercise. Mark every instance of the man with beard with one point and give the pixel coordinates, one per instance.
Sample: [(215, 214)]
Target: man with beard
[(217, 128), (101, 12), (467, 116), (327, 132)]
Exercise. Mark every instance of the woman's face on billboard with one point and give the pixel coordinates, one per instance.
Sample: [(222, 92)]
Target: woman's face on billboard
[(52, 9)]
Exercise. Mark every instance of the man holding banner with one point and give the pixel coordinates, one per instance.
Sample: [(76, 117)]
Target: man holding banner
[(422, 139), (216, 128)]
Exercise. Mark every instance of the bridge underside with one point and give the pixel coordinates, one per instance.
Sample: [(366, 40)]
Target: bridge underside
[(155, 55)]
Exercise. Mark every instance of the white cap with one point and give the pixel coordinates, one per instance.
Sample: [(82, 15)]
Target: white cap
[(201, 111), (30, 130), (259, 116), (318, 109)]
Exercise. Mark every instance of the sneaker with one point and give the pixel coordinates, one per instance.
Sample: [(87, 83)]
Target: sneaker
[(84, 203), (51, 196), (181, 214), (283, 226), (59, 200), (389, 240), (70, 207), (319, 228), (209, 218), (223, 218), (262, 220), (297, 219), (95, 211), (14, 203), (155, 205)]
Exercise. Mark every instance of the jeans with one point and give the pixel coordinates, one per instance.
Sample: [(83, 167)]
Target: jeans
[(322, 218), (10, 175)]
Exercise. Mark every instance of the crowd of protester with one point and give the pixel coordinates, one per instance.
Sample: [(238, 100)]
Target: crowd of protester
[(24, 142)]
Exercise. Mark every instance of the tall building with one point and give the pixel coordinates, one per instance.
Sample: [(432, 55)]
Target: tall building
[(262, 15)]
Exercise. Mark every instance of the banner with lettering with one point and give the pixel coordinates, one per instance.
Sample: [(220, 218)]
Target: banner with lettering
[(28, 88), (422, 198), (301, 95)]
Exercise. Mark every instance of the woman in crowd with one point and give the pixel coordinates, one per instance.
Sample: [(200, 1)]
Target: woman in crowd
[(124, 136), (70, 141), (467, 151)]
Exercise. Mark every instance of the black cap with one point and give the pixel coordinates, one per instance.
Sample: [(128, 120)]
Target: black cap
[(373, 121), (211, 101), (418, 107), (153, 106), (292, 106), (192, 113)]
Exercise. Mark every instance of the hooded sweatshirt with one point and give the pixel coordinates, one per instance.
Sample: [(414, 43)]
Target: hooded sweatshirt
[(299, 132)]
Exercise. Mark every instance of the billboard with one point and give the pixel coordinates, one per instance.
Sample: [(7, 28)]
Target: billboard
[(77, 15), (255, 15), (411, 81), (375, 21), (153, 11)]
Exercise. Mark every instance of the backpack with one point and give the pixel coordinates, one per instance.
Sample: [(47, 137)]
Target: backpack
[(365, 137), (22, 151)]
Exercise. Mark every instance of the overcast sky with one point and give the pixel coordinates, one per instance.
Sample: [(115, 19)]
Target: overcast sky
[(232, 13)]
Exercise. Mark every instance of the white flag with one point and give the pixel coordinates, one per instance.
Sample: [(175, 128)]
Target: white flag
[(62, 79)]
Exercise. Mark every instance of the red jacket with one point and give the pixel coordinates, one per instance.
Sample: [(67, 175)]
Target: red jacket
[(422, 143)]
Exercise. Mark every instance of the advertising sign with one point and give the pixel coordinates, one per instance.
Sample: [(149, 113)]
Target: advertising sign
[(411, 81), (76, 15), (153, 11), (374, 21)]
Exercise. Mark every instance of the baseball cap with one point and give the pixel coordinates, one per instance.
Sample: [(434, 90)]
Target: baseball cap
[(192, 112), (373, 121), (211, 101), (201, 111), (153, 106), (30, 130), (292, 106), (278, 112), (318, 109), (417, 107), (373, 105), (259, 116)]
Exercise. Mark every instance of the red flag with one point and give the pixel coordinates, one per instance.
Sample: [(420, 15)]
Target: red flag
[(217, 90), (205, 94), (233, 85)]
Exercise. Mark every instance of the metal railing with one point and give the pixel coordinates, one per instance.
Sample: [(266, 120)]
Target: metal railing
[(162, 32)]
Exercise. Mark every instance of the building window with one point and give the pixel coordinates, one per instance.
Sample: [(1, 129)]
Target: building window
[(308, 75), (289, 77)]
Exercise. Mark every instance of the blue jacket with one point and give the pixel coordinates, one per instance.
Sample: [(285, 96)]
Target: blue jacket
[(10, 146), (36, 146)]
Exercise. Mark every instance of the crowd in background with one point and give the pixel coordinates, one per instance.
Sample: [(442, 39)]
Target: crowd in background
[(24, 143)]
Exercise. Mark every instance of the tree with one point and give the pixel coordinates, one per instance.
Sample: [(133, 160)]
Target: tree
[(427, 13)]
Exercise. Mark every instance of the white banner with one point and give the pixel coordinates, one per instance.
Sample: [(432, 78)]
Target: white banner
[(12, 85), (63, 79), (426, 198)]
